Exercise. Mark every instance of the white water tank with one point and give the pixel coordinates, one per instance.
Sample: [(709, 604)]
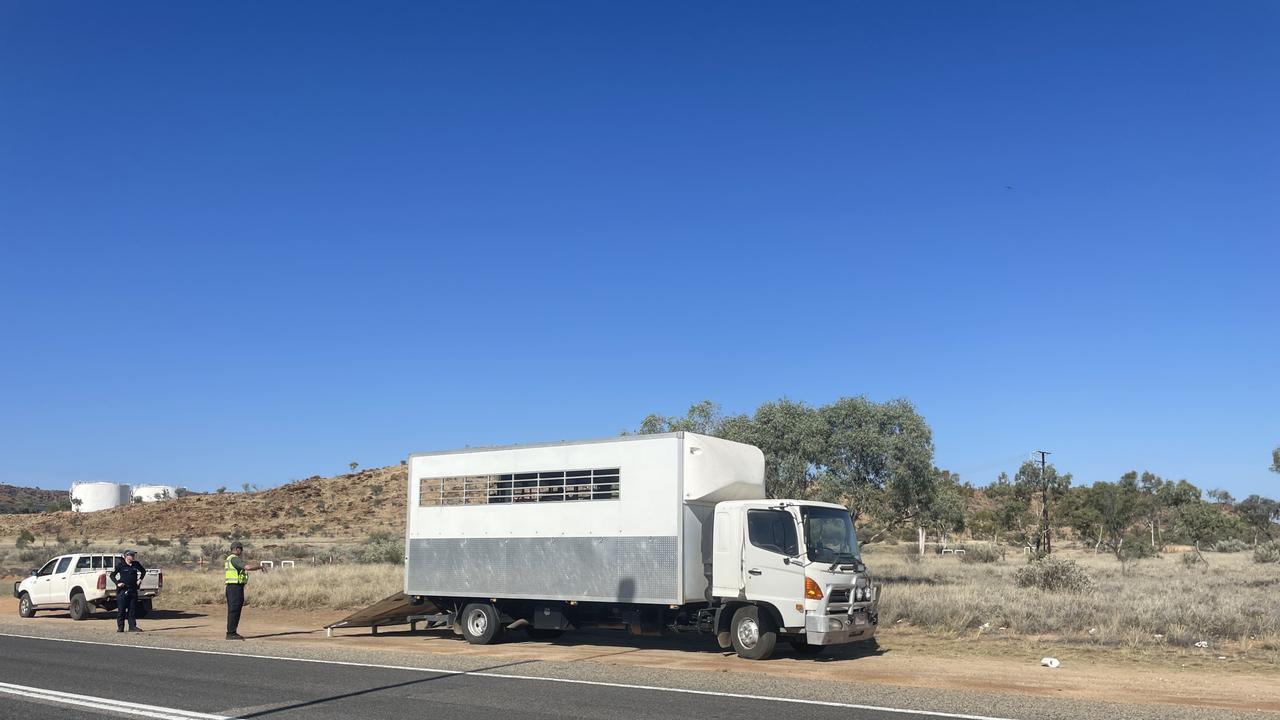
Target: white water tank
[(152, 493), (94, 496)]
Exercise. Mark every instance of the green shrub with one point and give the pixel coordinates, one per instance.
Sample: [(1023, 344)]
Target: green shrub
[(1053, 574), (981, 554), (1229, 546), (1268, 552)]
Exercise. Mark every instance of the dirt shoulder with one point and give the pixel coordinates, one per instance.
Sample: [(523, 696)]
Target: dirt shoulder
[(904, 659)]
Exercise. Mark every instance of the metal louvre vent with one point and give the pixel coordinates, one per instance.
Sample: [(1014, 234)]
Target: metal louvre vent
[(839, 595), (548, 486)]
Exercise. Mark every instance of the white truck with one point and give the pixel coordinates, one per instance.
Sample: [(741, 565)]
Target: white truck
[(79, 582), (649, 533)]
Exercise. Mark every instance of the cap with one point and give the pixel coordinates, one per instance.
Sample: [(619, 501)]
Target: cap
[(237, 546), (130, 552)]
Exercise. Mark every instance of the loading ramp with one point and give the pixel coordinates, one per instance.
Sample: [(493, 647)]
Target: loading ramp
[(398, 609)]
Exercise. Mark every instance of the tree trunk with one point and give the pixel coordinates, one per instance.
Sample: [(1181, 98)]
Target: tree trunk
[(920, 536)]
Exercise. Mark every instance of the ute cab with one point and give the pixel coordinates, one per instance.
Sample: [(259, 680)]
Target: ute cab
[(789, 569)]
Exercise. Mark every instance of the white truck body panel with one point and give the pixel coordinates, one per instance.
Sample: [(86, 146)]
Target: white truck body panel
[(502, 522)]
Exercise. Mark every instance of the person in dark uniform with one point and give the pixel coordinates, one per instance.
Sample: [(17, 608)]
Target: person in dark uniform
[(237, 576), (127, 576)]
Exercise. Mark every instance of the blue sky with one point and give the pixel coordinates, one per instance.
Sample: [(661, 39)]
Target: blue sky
[(251, 243)]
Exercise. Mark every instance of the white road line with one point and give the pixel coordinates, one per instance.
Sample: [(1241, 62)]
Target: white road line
[(533, 678), (107, 704)]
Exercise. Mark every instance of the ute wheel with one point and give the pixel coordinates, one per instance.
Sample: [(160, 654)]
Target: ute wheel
[(79, 606), (753, 634), (803, 648), (144, 608), (543, 633), (481, 624), (25, 607)]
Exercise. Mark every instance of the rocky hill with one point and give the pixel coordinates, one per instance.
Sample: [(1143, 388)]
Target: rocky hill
[(346, 506), (15, 499)]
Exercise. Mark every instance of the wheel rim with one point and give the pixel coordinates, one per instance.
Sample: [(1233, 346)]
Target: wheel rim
[(26, 604), (748, 633), (477, 622)]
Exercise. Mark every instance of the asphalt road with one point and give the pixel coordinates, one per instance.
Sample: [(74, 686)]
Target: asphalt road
[(49, 678)]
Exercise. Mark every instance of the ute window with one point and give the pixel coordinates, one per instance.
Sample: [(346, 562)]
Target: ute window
[(48, 568), (63, 564), (83, 563), (773, 530)]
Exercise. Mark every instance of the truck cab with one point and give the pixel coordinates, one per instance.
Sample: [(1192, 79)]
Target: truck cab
[(789, 569)]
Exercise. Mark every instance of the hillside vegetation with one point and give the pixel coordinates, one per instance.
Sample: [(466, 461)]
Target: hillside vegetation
[(15, 499), (345, 506)]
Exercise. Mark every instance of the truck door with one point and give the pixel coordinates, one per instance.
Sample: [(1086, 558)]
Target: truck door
[(767, 571)]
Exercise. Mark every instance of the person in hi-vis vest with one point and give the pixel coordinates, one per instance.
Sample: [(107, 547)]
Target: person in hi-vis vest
[(237, 576)]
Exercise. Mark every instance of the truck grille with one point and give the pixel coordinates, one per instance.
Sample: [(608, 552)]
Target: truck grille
[(839, 595)]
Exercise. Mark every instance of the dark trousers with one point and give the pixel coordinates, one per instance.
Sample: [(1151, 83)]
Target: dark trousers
[(235, 601), (127, 606)]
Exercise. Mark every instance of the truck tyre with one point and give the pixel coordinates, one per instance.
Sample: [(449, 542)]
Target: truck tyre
[(481, 624), (79, 606), (26, 608), (753, 634), (803, 648), (144, 608), (543, 633)]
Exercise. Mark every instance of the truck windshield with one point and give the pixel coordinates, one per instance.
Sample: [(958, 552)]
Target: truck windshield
[(829, 535)]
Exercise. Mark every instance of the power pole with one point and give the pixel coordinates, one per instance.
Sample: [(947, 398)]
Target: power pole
[(1045, 542)]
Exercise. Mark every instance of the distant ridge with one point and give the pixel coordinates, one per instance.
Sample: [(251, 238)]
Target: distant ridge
[(344, 506), (15, 499)]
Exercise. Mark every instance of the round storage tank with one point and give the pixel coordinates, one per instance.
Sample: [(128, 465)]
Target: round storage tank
[(94, 496), (152, 493)]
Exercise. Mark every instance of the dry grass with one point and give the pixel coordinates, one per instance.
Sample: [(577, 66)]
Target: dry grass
[(1234, 604), (318, 587)]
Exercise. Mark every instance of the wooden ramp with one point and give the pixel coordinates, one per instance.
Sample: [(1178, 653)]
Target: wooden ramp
[(397, 609)]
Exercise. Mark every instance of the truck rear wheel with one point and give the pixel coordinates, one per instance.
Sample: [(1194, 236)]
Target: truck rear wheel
[(26, 608), (753, 634), (79, 606), (481, 624)]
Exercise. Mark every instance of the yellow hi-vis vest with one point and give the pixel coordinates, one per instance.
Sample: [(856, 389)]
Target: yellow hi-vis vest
[(234, 576)]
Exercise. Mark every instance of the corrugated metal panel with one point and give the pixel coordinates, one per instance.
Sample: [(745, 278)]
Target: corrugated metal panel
[(620, 569)]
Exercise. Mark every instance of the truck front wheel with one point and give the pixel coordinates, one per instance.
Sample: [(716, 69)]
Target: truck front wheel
[(481, 624), (79, 607), (25, 608), (753, 634)]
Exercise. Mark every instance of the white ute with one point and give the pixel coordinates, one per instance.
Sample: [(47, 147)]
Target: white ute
[(79, 582)]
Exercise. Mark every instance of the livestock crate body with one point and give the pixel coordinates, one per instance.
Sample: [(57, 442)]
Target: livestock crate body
[(626, 519)]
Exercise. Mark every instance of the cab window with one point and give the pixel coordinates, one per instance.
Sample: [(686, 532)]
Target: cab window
[(48, 568), (83, 562), (773, 530), (63, 564)]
